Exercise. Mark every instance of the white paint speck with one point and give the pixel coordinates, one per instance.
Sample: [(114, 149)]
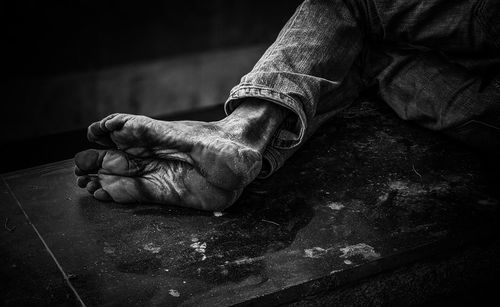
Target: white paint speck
[(246, 260), (217, 214), (315, 252), (383, 197), (174, 293), (335, 206), (361, 249), (398, 185), (151, 248), (200, 248), (108, 250)]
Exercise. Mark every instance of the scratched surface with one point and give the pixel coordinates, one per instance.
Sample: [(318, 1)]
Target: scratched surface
[(367, 193), (28, 275)]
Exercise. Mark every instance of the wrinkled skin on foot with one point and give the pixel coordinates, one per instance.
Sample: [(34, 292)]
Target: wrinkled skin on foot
[(115, 175), (212, 151), (187, 163)]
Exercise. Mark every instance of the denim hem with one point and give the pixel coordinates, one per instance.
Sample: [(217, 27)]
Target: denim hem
[(284, 138), (272, 157)]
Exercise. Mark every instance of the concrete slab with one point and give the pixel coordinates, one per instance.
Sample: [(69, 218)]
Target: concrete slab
[(29, 275), (367, 194)]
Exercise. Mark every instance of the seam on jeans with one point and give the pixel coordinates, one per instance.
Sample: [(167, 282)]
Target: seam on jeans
[(478, 122), (458, 92), (478, 6), (290, 73), (384, 32), (272, 159), (282, 99), (486, 27)]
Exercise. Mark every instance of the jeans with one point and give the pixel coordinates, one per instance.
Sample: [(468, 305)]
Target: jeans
[(435, 62)]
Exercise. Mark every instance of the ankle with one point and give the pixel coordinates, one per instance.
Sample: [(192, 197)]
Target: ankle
[(254, 122)]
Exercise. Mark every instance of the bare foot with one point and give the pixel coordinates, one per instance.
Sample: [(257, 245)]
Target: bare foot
[(114, 175), (216, 154), (218, 158)]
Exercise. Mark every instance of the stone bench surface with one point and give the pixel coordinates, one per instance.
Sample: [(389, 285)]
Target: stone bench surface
[(368, 193)]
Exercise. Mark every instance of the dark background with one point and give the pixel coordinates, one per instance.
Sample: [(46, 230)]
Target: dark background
[(68, 63), (54, 37)]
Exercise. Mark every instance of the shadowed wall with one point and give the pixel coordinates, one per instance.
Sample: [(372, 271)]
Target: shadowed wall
[(72, 63)]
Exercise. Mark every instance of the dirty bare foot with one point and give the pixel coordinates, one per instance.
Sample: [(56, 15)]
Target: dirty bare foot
[(215, 153), (224, 155), (115, 175)]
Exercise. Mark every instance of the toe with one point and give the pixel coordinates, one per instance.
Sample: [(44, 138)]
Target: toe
[(82, 181), (102, 123), (79, 172), (102, 195), (89, 161), (97, 135), (93, 186), (115, 162), (114, 122)]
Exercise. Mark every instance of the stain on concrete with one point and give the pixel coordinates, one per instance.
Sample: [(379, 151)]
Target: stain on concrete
[(315, 252), (200, 248), (150, 247), (360, 249), (336, 206)]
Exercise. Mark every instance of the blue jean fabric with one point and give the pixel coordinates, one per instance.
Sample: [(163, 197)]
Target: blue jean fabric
[(436, 63)]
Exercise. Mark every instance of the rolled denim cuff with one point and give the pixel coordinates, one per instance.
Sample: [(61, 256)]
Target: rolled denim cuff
[(273, 159), (291, 132)]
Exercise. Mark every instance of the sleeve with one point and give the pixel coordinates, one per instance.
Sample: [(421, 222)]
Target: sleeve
[(309, 59)]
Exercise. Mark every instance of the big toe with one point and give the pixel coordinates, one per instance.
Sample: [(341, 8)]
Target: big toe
[(97, 135), (115, 121), (105, 161), (89, 161)]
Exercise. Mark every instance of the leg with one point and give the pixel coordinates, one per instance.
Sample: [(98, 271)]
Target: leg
[(195, 164), (452, 26), (427, 88), (310, 63)]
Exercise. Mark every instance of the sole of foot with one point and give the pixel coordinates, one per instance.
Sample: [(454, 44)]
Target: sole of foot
[(113, 175), (219, 156)]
